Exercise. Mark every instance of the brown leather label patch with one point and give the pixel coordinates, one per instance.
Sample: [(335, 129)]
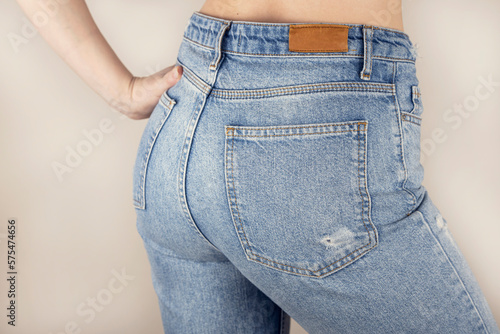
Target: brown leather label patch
[(318, 38)]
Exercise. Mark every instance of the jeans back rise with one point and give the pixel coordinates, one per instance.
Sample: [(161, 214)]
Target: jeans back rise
[(278, 180)]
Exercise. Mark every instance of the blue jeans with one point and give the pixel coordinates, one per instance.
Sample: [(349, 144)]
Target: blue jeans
[(281, 177)]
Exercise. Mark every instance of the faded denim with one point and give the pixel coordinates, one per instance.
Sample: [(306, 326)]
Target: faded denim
[(271, 183)]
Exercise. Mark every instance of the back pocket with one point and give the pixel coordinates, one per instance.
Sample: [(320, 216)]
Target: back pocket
[(298, 195)]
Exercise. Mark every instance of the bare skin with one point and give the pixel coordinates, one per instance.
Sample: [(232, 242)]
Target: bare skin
[(384, 13), (74, 36)]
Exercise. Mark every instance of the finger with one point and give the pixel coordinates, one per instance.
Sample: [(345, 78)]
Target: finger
[(174, 74), (160, 81)]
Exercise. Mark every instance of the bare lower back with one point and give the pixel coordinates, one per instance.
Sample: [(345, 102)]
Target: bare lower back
[(384, 13)]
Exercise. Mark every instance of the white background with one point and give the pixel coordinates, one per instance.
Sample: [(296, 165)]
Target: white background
[(73, 234)]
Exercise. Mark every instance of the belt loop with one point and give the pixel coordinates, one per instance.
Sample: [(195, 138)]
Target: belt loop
[(367, 52), (218, 47)]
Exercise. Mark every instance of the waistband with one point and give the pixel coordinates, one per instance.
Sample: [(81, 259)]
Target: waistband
[(272, 39)]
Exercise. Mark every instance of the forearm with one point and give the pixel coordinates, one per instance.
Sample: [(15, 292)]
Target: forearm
[(74, 36)]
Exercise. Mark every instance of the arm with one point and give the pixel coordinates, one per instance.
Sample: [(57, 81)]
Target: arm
[(74, 36)]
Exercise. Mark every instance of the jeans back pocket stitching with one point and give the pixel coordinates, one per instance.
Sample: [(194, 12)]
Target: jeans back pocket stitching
[(230, 131)]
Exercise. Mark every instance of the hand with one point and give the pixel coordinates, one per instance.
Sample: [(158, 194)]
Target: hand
[(143, 93)]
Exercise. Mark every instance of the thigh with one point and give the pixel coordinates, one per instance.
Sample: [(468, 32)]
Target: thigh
[(209, 297)]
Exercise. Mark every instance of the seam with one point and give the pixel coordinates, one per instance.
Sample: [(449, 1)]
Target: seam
[(141, 202), (198, 83), (401, 143), (436, 239), (191, 130), (349, 84), (285, 323), (297, 134), (187, 39), (320, 269), (320, 26), (167, 101), (303, 89), (323, 87), (365, 149), (282, 325), (337, 54), (194, 79), (181, 176), (294, 127), (320, 50), (342, 54), (359, 187)]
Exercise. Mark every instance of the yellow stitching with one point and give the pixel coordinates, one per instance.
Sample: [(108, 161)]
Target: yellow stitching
[(189, 73), (358, 55), (366, 191), (263, 95), (270, 94), (335, 85), (321, 26), (315, 271), (382, 88), (296, 127), (287, 90), (320, 50), (296, 134), (318, 86)]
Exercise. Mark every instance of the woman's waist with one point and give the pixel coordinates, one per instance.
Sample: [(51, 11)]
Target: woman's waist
[(382, 13)]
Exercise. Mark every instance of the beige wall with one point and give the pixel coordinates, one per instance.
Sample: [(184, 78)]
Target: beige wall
[(74, 235)]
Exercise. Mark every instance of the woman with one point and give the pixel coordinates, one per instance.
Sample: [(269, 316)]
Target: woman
[(279, 171)]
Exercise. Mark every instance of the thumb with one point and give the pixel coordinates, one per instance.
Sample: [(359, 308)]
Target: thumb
[(173, 75), (160, 81)]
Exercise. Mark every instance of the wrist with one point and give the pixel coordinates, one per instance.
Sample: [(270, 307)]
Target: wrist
[(120, 98)]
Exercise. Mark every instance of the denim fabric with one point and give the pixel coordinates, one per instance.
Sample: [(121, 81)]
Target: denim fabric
[(271, 183)]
